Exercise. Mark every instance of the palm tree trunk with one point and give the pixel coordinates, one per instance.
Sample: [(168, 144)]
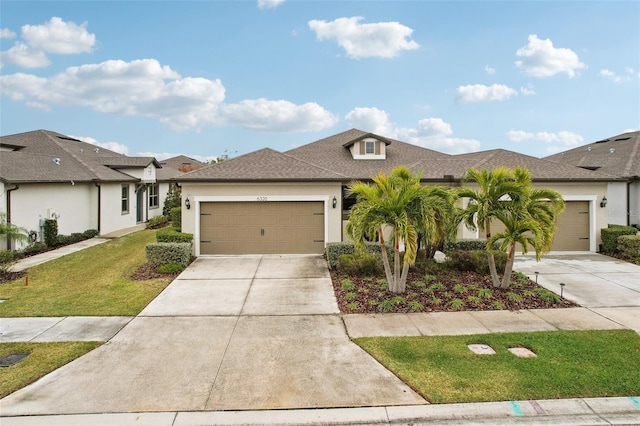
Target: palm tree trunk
[(506, 279), (395, 287), (492, 260), (403, 278), (385, 259)]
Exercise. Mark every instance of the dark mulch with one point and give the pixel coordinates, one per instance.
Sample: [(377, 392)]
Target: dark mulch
[(447, 291), (148, 272), (6, 277)]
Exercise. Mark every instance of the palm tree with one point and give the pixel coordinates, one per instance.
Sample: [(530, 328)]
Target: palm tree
[(497, 190), (401, 203), (11, 232), (437, 217)]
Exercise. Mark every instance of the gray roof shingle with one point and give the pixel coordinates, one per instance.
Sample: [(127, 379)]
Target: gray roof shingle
[(618, 156)]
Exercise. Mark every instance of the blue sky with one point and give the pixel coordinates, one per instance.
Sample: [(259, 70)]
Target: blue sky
[(208, 78)]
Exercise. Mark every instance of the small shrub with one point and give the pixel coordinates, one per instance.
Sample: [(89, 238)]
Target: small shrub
[(350, 296), (35, 248), (7, 259), (475, 261), (514, 297), (437, 286), (436, 301), (76, 237), (347, 284), (547, 296), (176, 218), (456, 304), (170, 235), (610, 236), (334, 250), (528, 293), (460, 289), (158, 222), (63, 240), (170, 268), (51, 232), (429, 277), (386, 305), (399, 300), (485, 293), (90, 233), (474, 300), (416, 306), (163, 253), (629, 246), (419, 284), (360, 264), (498, 305), (352, 306)]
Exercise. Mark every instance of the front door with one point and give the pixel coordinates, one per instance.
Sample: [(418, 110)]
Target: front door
[(140, 205)]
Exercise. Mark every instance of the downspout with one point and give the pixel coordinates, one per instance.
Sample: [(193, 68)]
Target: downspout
[(8, 192), (99, 205)]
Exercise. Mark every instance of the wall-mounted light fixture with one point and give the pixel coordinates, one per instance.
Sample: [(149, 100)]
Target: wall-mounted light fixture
[(603, 203), (187, 203), (335, 202)]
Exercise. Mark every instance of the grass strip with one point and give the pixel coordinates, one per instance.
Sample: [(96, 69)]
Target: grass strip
[(569, 364), (43, 358), (92, 282)]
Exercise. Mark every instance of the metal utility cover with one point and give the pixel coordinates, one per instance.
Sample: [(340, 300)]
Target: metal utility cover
[(12, 359)]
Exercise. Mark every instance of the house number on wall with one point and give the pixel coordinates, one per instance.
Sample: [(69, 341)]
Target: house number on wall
[(262, 199)]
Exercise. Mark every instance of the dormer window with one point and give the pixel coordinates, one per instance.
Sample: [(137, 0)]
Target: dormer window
[(370, 147)]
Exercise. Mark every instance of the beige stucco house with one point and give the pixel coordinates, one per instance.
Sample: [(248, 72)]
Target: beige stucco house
[(294, 202), (44, 174), (618, 156)]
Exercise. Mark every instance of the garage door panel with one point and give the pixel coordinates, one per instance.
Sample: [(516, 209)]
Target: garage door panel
[(262, 227)]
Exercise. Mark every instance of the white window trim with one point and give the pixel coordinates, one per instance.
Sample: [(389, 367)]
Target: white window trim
[(257, 198)]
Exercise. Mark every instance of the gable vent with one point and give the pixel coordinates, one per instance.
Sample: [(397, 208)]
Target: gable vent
[(56, 161)]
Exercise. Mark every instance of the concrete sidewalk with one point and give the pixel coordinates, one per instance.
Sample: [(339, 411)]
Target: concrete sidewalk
[(586, 411)]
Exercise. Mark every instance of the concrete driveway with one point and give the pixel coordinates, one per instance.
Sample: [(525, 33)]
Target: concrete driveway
[(231, 333)]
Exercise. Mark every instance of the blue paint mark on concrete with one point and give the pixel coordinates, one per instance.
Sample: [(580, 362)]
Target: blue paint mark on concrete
[(516, 408), (635, 400)]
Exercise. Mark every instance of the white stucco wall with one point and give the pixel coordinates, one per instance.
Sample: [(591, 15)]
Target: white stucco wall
[(75, 206), (204, 192), (617, 209), (112, 218), (634, 202)]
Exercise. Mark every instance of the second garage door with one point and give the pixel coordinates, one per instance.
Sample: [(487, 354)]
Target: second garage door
[(287, 227), (572, 230)]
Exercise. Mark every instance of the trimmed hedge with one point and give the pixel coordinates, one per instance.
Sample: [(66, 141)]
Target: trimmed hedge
[(610, 236), (159, 254), (170, 235), (465, 244), (334, 250), (475, 261), (35, 248), (362, 264), (176, 218), (629, 246), (51, 232), (157, 222), (90, 233)]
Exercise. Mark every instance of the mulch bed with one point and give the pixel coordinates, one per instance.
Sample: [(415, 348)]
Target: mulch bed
[(6, 277), (148, 272), (445, 292)]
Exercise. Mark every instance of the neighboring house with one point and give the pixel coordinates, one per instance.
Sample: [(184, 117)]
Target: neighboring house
[(294, 202), (44, 174), (618, 156), (182, 163)]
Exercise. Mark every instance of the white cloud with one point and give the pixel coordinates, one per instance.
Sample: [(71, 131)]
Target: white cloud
[(6, 33), (278, 116), (24, 56), (55, 36), (528, 90), (564, 138), (489, 70), (113, 146), (481, 93), (616, 78), (541, 59), (146, 88), (378, 40), (432, 133), (269, 4)]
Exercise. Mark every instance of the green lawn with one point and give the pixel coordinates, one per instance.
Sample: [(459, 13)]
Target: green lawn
[(93, 282), (43, 358), (570, 364)]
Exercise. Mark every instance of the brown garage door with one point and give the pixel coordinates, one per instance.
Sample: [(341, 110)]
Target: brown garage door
[(572, 230), (287, 227)]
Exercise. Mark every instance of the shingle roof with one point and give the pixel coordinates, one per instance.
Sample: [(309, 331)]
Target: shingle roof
[(123, 162), (32, 155), (618, 155), (541, 169), (182, 161), (265, 164)]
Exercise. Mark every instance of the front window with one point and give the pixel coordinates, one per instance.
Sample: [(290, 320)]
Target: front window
[(154, 199), (369, 147), (125, 199)]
